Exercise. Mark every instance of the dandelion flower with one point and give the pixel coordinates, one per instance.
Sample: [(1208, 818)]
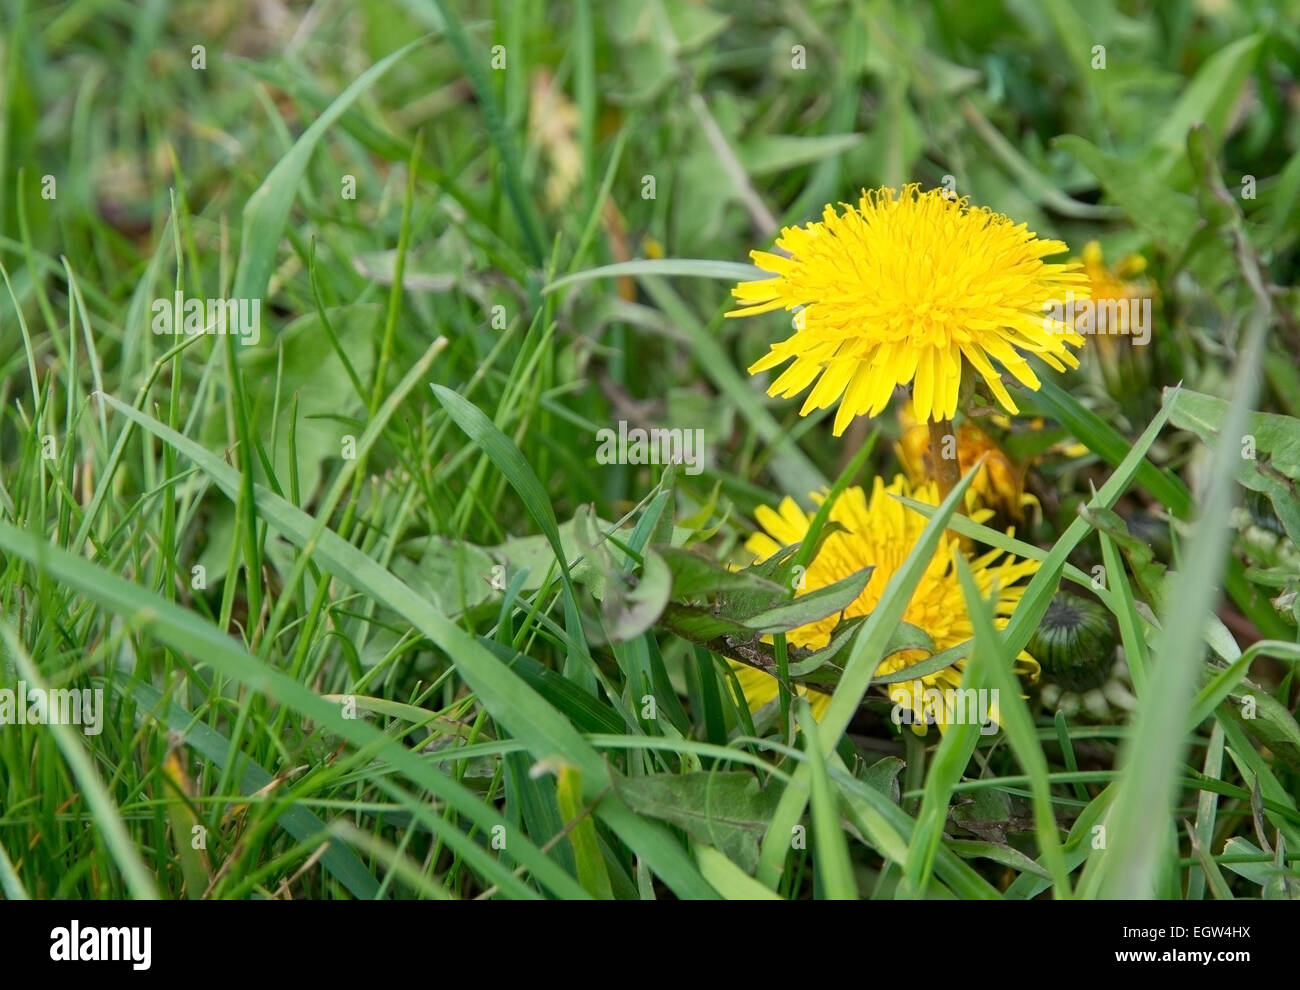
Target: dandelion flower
[(1123, 281), (879, 531), (906, 289), (1114, 291)]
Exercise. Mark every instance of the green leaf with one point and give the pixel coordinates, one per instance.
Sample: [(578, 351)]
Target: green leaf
[(1209, 98), (454, 575), (766, 154), (630, 609), (731, 881), (693, 25), (1263, 873), (701, 625), (803, 609), (1271, 723), (582, 834), (726, 809), (883, 776), (696, 575), (997, 852), (1272, 439), (803, 663), (1166, 216)]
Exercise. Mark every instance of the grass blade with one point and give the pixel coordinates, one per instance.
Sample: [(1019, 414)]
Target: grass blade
[(1153, 753)]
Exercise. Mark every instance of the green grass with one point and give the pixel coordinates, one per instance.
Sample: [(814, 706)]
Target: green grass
[(370, 620)]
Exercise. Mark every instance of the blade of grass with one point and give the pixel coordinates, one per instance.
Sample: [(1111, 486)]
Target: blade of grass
[(10, 883), (1207, 805), (1221, 685), (830, 851), (1126, 614), (582, 834), (1150, 758), (398, 865), (730, 880), (726, 271), (1019, 725), (267, 211), (949, 763)]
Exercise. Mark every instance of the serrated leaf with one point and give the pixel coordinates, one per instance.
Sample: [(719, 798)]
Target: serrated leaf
[(632, 610), (1272, 725), (883, 776), (1275, 467), (702, 625), (1167, 216), (998, 852), (726, 810), (696, 575), (813, 606)]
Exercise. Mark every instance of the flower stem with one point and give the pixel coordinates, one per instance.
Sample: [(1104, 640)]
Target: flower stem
[(947, 470)]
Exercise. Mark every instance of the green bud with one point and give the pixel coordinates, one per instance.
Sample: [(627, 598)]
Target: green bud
[(1075, 643)]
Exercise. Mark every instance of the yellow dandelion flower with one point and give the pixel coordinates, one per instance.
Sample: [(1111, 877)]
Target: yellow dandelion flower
[(905, 289), (1108, 285), (880, 531), (1000, 482), (1111, 283)]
